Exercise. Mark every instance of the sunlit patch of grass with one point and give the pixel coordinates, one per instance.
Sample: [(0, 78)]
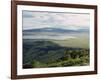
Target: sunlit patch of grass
[(81, 42)]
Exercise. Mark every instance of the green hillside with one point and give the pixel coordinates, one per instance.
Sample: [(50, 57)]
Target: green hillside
[(44, 53)]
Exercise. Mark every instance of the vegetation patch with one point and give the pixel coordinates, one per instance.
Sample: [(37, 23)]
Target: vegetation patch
[(42, 53)]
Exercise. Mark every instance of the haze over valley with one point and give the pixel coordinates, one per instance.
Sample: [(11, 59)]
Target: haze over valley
[(55, 39)]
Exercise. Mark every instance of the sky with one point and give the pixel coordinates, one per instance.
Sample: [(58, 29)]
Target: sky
[(64, 20)]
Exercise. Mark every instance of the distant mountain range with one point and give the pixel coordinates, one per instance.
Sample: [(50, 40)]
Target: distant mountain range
[(55, 30)]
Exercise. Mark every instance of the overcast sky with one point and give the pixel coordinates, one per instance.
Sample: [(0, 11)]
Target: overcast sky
[(34, 20)]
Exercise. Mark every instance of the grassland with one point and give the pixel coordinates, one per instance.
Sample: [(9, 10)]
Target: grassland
[(80, 42)]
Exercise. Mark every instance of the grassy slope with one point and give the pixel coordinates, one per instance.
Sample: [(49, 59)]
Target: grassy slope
[(81, 42)]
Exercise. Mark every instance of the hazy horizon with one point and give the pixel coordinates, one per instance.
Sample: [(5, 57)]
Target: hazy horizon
[(54, 25)]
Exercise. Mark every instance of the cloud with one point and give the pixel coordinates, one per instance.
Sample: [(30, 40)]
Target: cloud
[(33, 19)]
